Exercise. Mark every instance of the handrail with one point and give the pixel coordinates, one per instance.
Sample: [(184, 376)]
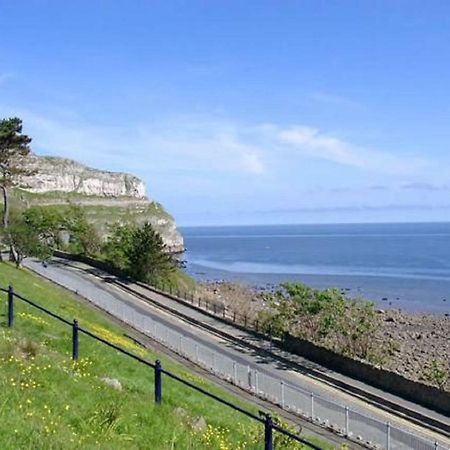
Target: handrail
[(267, 420)]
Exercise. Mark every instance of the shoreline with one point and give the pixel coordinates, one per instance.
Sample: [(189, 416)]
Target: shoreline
[(416, 296), (421, 339)]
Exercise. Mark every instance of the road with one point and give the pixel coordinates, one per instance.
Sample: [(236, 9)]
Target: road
[(239, 362)]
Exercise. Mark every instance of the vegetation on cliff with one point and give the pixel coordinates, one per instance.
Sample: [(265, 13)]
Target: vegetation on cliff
[(75, 224), (101, 211), (106, 197)]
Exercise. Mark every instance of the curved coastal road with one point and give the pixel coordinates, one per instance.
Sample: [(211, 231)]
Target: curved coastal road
[(95, 285)]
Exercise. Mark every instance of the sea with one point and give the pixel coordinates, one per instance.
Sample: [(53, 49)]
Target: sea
[(403, 265)]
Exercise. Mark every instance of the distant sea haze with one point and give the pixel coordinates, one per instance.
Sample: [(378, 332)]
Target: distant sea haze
[(396, 265)]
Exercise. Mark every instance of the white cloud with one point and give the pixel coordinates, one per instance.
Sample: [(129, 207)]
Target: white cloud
[(178, 144), (204, 146), (313, 143)]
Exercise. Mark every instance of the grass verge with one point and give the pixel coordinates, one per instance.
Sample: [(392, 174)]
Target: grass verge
[(50, 402)]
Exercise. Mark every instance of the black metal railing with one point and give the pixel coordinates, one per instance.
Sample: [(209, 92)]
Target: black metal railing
[(248, 320), (264, 418)]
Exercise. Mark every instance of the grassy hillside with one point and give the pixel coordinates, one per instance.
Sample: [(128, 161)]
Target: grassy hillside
[(100, 211), (49, 402)]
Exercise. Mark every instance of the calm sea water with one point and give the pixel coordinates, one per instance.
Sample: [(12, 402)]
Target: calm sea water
[(396, 265)]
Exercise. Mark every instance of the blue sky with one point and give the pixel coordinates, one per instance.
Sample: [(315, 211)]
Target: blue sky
[(241, 112)]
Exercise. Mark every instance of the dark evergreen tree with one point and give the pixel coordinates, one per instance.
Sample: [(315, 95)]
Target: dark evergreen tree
[(148, 259)]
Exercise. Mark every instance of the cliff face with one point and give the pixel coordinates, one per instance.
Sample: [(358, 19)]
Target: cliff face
[(106, 197), (55, 174)]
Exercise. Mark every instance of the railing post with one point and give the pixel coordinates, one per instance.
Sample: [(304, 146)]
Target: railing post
[(268, 432), (158, 383), (347, 422), (312, 406), (75, 340), (270, 337), (10, 306), (388, 436)]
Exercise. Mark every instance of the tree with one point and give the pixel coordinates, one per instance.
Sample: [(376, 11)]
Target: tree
[(26, 240), (14, 146), (140, 252), (148, 258), (50, 222), (47, 222), (118, 245), (82, 233)]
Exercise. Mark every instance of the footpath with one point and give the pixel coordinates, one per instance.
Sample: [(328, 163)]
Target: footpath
[(245, 342)]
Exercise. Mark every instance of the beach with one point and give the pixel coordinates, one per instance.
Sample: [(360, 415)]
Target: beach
[(416, 340)]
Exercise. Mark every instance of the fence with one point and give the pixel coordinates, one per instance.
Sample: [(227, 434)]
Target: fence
[(342, 420), (339, 418), (269, 425), (386, 380)]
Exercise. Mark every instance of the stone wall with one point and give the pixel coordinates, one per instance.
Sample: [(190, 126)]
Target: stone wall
[(388, 381)]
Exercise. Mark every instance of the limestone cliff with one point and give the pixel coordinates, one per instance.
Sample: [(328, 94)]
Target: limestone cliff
[(106, 197), (54, 174)]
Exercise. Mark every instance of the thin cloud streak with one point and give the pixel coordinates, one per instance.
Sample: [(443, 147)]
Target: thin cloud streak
[(357, 208), (420, 186), (176, 145), (205, 147), (315, 144)]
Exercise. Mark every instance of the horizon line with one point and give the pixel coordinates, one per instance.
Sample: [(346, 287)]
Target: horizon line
[(317, 223)]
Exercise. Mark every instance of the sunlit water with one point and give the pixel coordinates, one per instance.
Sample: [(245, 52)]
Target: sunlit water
[(396, 265)]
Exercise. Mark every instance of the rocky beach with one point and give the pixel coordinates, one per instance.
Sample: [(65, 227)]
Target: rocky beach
[(419, 343)]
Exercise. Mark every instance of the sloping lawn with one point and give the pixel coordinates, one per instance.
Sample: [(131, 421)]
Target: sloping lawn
[(49, 402)]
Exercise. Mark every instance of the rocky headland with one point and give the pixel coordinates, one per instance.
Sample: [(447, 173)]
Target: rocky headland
[(106, 197)]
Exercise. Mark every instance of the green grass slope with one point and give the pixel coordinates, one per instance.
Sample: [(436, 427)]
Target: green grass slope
[(49, 402), (100, 211)]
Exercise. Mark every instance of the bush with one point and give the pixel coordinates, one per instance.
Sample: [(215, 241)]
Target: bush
[(139, 252), (437, 374), (325, 317)]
